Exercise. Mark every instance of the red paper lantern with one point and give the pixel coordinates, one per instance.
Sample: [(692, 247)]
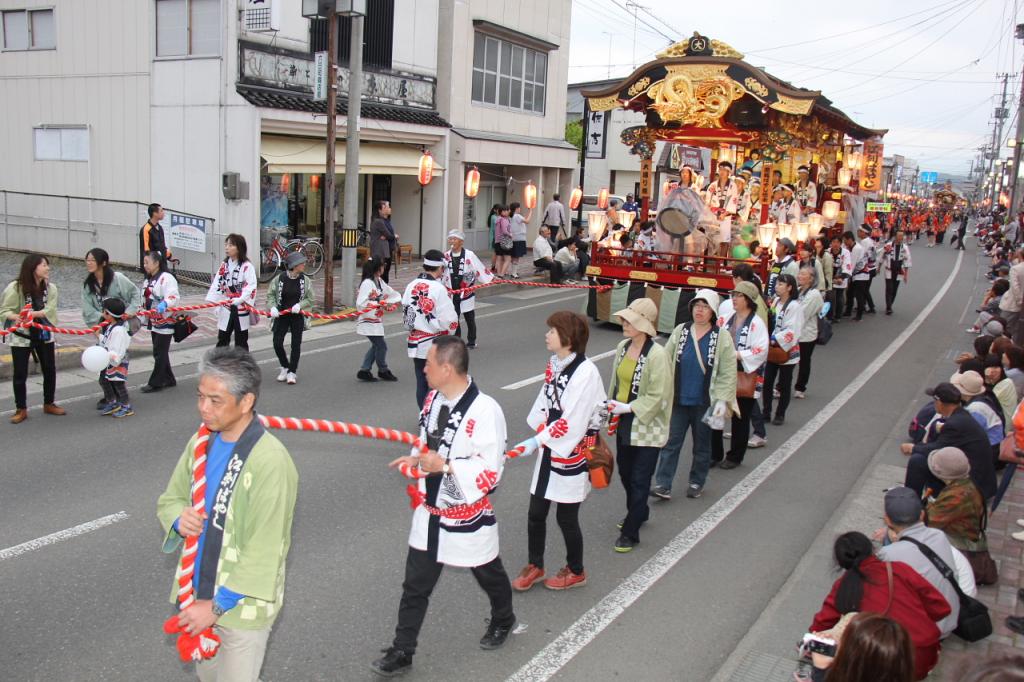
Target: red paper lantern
[(426, 171), (602, 198), (530, 195), (472, 182), (314, 182), (575, 198), (286, 182)]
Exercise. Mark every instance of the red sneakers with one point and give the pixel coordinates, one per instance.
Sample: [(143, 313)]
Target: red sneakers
[(565, 580), (527, 578)]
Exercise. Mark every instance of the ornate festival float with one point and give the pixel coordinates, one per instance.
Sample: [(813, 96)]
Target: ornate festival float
[(764, 134)]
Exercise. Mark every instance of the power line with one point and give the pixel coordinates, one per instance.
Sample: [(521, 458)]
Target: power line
[(644, 22)]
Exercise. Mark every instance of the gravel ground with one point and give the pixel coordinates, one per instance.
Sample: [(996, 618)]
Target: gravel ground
[(67, 275)]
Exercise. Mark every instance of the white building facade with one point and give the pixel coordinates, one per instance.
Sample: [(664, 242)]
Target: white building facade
[(167, 100)]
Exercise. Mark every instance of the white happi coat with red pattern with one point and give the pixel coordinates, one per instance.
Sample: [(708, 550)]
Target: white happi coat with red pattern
[(476, 459)]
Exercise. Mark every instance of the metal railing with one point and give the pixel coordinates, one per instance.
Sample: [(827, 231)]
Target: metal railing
[(68, 226)]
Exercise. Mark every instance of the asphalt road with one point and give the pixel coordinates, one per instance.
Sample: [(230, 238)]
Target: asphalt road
[(91, 607)]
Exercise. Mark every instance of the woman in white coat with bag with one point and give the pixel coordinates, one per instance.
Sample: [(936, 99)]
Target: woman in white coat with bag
[(159, 292), (784, 348), (566, 418), (234, 281), (374, 290)]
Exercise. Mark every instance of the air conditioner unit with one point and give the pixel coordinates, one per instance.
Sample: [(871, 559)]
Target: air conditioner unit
[(262, 16), (233, 188)]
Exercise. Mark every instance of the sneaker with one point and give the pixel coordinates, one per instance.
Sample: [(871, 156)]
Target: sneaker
[(101, 403), (694, 491), (776, 393), (527, 578), (146, 388), (1020, 522), (471, 345), (799, 395), (495, 636), (620, 524), (394, 662), (779, 420), (283, 374), (1018, 536), (109, 407), (660, 492), (291, 378), (123, 411), (566, 580), (386, 375), (727, 435), (729, 464), (624, 544), (756, 442), (364, 375)]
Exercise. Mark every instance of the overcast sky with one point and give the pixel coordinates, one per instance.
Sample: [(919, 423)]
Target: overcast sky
[(927, 71)]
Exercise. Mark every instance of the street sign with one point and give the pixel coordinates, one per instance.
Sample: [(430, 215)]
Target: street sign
[(929, 176), (879, 207), (320, 77), (597, 131)]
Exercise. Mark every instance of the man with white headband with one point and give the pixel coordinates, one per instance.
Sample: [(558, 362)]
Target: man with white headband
[(462, 269), (429, 313)]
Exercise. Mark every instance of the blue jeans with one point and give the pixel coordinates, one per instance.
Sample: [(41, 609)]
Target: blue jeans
[(378, 352), (685, 417), (757, 421)]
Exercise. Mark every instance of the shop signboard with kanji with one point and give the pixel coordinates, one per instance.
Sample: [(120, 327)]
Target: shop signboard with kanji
[(187, 232), (871, 173)]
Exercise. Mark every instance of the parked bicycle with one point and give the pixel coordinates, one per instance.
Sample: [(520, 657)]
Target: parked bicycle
[(272, 256)]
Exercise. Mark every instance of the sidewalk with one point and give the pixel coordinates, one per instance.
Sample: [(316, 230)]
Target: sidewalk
[(69, 348)]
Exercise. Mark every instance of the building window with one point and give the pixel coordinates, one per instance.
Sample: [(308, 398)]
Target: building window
[(29, 30), (187, 28), (378, 35), (508, 75), (61, 143)]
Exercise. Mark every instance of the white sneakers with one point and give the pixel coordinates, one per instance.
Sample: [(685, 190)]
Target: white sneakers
[(756, 442), (283, 374), (799, 395), (290, 378)]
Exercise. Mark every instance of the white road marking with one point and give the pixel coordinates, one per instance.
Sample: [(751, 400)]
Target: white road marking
[(540, 377), (305, 352), (564, 648), (61, 535)]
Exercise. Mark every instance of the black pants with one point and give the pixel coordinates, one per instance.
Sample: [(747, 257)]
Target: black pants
[(470, 316), (162, 376), (241, 338), (295, 324), (836, 312), (960, 233), (636, 467), (892, 286), (867, 292), (804, 374), (47, 365), (114, 390), (422, 574), (421, 380), (784, 374), (387, 269), (740, 433), (858, 294), (919, 476), (567, 514)]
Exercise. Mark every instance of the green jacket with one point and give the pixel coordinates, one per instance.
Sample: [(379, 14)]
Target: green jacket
[(12, 301), (723, 373), (257, 533), (121, 287), (652, 406), (274, 294)]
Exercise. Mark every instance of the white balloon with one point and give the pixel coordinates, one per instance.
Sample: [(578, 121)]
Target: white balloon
[(95, 358)]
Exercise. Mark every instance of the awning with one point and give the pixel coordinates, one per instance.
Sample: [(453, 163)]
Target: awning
[(305, 155)]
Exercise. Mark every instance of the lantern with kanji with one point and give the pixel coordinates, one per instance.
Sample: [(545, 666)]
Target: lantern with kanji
[(426, 170), (575, 198), (530, 195), (602, 198), (472, 182)]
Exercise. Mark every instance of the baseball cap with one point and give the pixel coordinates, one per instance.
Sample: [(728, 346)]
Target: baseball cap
[(902, 505), (944, 392)]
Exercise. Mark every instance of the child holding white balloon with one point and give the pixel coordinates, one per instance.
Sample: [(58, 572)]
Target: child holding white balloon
[(113, 379)]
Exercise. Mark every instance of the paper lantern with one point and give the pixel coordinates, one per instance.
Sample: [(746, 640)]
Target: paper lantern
[(830, 210), (766, 233), (814, 223), (595, 224), (853, 160), (314, 183), (286, 182), (426, 170), (575, 198), (726, 155), (472, 182), (785, 231), (626, 218), (530, 195), (802, 230), (95, 359), (843, 177), (602, 198)]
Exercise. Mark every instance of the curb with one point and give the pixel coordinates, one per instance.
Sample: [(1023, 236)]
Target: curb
[(69, 357)]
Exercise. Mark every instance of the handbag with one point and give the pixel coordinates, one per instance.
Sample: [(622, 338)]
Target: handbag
[(973, 623), (984, 567), (505, 241), (824, 331), (601, 462), (777, 355), (746, 384), (1008, 450), (183, 328)]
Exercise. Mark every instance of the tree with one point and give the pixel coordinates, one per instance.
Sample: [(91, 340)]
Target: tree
[(574, 134)]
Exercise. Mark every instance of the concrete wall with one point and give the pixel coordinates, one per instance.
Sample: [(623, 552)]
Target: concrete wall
[(415, 36)]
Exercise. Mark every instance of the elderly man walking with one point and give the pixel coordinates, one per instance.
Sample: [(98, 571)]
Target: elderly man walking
[(239, 566)]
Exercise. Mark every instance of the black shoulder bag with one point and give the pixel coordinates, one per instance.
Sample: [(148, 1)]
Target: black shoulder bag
[(974, 623)]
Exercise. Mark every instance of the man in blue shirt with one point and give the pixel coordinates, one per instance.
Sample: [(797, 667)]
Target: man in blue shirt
[(631, 205)]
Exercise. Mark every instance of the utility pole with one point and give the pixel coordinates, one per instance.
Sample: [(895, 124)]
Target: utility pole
[(606, 33), (330, 209), (997, 134), (350, 233), (1015, 168)]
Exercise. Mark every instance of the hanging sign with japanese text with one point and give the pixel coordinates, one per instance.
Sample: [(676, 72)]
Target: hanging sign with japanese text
[(871, 172)]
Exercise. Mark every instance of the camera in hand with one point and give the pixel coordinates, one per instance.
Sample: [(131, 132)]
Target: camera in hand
[(816, 644)]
